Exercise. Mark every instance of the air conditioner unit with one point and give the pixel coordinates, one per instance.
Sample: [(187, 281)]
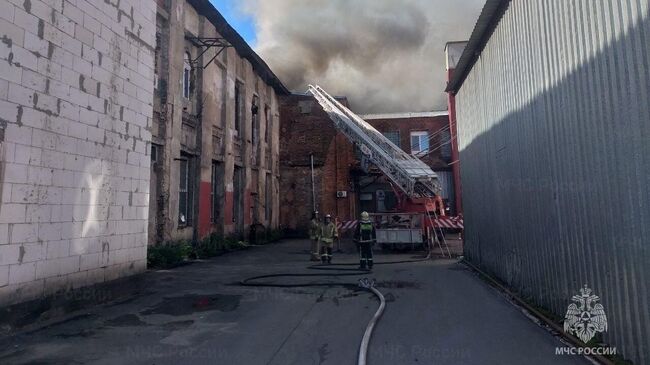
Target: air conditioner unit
[(342, 194)]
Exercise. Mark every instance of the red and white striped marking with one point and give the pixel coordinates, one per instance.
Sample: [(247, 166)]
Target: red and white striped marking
[(449, 222), (345, 225), (442, 222)]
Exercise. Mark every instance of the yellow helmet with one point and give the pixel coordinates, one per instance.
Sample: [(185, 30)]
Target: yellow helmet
[(365, 216)]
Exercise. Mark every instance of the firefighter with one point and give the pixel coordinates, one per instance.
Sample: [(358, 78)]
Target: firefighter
[(328, 233), (314, 235), (365, 237)]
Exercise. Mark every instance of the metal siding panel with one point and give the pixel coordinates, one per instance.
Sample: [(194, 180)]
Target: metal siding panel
[(554, 136)]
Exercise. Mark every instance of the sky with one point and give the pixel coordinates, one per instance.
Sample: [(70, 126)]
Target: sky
[(243, 22), (384, 55)]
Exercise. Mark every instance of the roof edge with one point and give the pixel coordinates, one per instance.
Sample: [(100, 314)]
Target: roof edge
[(405, 115), (487, 22), (210, 12)]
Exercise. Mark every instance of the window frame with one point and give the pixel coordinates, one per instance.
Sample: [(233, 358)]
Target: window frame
[(238, 107), (419, 134), (255, 120), (185, 194), (399, 136), (267, 122), (187, 76), (237, 181)]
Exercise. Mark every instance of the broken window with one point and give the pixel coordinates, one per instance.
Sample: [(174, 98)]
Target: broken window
[(187, 75), (255, 121), (267, 123), (185, 191), (238, 106), (419, 142)]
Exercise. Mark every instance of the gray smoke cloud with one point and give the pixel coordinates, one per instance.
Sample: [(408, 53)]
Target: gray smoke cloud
[(385, 55)]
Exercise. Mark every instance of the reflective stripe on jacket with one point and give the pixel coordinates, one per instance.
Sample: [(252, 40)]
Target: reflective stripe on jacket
[(328, 232)]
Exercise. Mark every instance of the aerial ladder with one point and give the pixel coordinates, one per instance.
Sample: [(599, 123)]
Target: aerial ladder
[(410, 175)]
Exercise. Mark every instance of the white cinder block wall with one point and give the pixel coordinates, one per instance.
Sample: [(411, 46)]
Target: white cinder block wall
[(76, 84)]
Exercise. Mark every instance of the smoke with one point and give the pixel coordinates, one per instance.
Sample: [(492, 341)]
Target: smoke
[(385, 55)]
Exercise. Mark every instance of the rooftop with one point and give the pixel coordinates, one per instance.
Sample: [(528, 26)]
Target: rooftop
[(205, 8), (405, 115), (490, 16)]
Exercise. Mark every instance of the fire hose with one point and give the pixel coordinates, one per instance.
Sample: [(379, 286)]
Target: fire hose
[(365, 283)]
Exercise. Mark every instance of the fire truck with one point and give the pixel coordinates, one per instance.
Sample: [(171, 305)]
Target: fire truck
[(420, 215)]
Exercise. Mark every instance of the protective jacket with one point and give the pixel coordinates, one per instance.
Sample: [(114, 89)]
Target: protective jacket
[(365, 232), (328, 232), (314, 229)]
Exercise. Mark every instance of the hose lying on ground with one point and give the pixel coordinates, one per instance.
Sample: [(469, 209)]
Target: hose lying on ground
[(363, 283)]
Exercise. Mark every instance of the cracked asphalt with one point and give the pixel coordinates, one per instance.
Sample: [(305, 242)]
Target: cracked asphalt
[(438, 312)]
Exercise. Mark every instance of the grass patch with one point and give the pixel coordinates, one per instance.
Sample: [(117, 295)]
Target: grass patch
[(174, 253)]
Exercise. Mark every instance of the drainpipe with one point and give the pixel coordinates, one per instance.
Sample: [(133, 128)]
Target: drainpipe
[(313, 188)]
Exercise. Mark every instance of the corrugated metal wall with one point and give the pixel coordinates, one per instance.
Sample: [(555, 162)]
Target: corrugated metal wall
[(554, 132)]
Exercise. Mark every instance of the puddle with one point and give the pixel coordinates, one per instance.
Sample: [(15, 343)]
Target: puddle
[(82, 333), (126, 320), (188, 304), (398, 284), (177, 325)]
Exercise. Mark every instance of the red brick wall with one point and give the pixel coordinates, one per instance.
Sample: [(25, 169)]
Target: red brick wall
[(407, 125), (302, 134)]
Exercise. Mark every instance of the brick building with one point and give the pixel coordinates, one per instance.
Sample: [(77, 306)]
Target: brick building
[(76, 84), (341, 185), (215, 132)]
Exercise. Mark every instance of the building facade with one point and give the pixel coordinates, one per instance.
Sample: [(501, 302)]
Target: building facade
[(215, 166), (552, 110), (340, 182), (76, 93)]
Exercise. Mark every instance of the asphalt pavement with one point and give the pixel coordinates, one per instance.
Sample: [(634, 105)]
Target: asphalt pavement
[(438, 312)]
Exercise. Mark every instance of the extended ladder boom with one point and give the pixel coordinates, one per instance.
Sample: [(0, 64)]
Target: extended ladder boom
[(412, 176)]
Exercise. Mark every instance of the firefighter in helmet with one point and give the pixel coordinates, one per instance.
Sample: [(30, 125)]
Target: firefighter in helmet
[(365, 237), (314, 235), (328, 233)]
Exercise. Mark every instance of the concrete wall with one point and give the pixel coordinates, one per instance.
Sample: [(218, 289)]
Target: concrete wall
[(76, 83), (553, 130), (202, 128)]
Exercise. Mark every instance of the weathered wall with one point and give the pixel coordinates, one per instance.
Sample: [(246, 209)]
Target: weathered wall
[(307, 130), (75, 101), (553, 124), (202, 129)]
